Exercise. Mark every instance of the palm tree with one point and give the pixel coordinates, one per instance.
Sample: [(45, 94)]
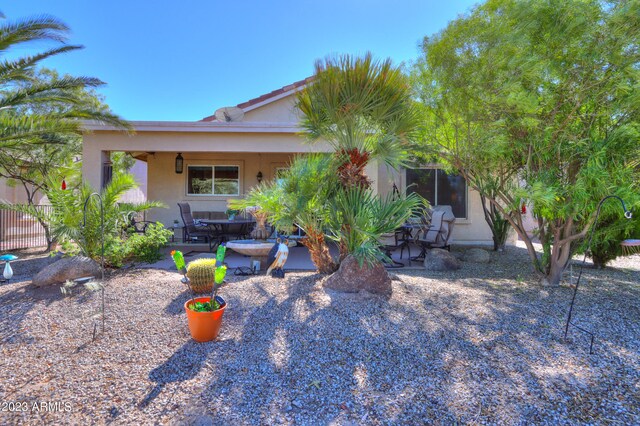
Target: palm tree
[(300, 197), (22, 93), (364, 109), (69, 223)]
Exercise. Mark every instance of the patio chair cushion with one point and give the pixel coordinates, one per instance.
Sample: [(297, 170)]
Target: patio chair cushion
[(431, 234), (388, 239)]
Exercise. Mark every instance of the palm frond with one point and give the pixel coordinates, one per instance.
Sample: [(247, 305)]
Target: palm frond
[(31, 29), (55, 90), (17, 70)]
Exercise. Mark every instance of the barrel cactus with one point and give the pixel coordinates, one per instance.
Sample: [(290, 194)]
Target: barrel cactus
[(201, 274)]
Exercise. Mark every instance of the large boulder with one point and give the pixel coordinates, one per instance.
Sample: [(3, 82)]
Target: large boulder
[(440, 260), (352, 278), (67, 268), (477, 255)]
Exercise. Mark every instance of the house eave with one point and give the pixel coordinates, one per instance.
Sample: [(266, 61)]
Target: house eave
[(199, 127)]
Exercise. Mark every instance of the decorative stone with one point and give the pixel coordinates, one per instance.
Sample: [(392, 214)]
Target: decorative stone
[(440, 260), (477, 255), (351, 278), (67, 268)]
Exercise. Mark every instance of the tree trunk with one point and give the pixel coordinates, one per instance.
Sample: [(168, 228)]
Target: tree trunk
[(47, 233), (560, 256), (319, 252), (516, 224), (555, 274)]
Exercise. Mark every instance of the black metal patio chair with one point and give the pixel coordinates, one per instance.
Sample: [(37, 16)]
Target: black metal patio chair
[(194, 232)]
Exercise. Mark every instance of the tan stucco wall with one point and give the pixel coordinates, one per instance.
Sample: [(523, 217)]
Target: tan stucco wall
[(472, 230), (283, 110), (16, 194), (242, 148), (165, 185), (97, 144)]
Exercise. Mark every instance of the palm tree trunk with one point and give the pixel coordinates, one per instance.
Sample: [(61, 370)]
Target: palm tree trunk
[(319, 252)]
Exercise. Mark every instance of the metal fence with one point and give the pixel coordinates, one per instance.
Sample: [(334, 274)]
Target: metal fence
[(20, 230)]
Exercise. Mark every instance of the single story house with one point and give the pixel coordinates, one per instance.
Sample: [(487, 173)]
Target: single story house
[(226, 154)]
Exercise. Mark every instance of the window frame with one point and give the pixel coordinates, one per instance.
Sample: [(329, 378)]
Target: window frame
[(465, 219), (213, 179)]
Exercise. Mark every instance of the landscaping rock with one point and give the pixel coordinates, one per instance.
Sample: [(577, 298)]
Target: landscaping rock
[(440, 260), (351, 278), (68, 268), (477, 255)]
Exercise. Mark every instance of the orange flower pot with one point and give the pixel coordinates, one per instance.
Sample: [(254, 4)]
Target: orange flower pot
[(204, 326)]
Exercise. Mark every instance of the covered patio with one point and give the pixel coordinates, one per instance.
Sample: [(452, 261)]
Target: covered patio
[(219, 161), (298, 260)]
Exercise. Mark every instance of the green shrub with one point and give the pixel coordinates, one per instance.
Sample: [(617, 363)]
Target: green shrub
[(611, 230), (146, 247), (73, 228)]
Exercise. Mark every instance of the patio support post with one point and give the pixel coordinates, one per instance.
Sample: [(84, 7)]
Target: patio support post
[(92, 162), (371, 169)]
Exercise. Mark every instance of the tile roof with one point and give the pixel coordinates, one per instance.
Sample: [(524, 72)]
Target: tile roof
[(267, 96)]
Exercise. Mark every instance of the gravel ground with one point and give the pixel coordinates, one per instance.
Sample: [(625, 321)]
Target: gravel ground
[(481, 345)]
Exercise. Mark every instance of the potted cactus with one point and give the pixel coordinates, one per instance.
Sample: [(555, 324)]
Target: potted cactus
[(201, 274), (204, 314)]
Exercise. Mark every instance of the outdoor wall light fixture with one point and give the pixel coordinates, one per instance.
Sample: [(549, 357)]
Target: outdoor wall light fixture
[(625, 244), (179, 163), (259, 177)]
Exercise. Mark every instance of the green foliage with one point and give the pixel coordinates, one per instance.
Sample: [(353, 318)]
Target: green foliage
[(299, 197), (612, 228), (360, 104), (543, 93), (34, 108), (69, 224), (146, 247), (122, 162), (41, 112), (205, 307), (358, 218), (365, 110), (309, 195)]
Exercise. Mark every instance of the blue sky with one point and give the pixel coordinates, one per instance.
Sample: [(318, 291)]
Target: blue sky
[(168, 60)]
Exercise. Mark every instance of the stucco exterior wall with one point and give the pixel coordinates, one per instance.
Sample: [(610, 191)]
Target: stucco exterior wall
[(265, 139), (282, 110), (165, 185), (16, 194), (97, 145), (472, 230)]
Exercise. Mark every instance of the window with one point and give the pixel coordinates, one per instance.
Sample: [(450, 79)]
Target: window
[(213, 180), (440, 189)]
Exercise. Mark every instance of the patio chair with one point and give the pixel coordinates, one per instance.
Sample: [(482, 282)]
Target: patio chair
[(194, 232), (438, 235), (137, 226), (391, 242)]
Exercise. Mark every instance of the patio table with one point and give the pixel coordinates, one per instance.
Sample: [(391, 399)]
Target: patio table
[(223, 227)]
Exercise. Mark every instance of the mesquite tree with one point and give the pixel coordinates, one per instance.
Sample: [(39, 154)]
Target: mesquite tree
[(544, 96)]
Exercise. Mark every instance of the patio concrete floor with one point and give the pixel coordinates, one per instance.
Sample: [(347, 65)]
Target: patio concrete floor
[(298, 260)]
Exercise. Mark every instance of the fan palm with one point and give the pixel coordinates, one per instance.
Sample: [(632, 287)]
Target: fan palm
[(364, 109), (358, 218), (300, 198)]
